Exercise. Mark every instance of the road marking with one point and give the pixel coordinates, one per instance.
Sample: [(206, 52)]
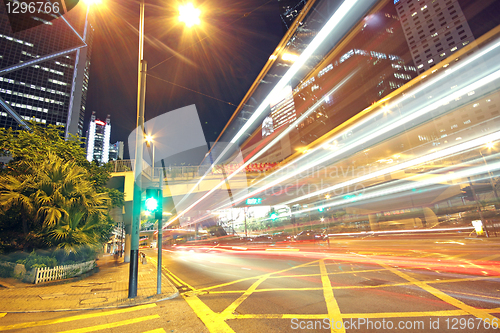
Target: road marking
[(480, 313), (213, 321), (112, 325), (399, 284), (172, 276), (158, 330), (331, 303), (494, 256), (292, 250), (3, 314), (334, 273), (79, 317), (230, 309), (439, 313), (255, 277)]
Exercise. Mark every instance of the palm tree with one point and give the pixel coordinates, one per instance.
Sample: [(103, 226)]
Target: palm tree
[(53, 194)]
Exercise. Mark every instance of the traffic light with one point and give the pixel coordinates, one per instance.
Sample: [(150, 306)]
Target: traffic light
[(153, 201), (273, 216), (320, 209)]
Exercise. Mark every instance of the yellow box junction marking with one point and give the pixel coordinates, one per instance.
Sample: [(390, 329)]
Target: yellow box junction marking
[(441, 295), (331, 303), (112, 325), (79, 317), (216, 322)]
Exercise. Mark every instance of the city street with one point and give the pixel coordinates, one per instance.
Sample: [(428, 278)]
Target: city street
[(432, 283)]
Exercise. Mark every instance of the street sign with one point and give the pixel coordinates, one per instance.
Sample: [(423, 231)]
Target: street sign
[(254, 201)]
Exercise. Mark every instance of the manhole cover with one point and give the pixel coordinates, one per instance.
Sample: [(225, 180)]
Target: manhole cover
[(93, 300), (373, 282)]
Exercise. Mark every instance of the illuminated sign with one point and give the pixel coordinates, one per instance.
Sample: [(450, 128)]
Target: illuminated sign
[(98, 122), (254, 201)]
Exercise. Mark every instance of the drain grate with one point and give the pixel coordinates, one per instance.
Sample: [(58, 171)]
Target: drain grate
[(183, 288)]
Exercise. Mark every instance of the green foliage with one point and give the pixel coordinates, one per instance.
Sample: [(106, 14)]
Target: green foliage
[(6, 271), (35, 260), (50, 195)]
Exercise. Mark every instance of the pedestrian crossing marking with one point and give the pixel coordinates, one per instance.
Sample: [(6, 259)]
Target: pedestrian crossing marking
[(112, 325), (79, 317)]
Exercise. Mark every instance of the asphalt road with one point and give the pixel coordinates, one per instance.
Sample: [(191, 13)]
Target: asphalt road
[(376, 284), (365, 285)]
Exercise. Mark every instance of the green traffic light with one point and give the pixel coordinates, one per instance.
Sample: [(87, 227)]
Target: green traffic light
[(151, 204), (274, 216)]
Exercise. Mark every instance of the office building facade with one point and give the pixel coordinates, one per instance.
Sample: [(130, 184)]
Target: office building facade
[(52, 91), (433, 29), (98, 139)]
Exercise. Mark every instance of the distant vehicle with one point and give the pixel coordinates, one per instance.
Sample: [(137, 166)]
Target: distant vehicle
[(264, 238), (282, 237), (309, 235)]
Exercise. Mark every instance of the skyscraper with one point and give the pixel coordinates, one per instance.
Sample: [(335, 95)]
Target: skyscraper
[(289, 10), (52, 88), (116, 151), (98, 139), (433, 30)]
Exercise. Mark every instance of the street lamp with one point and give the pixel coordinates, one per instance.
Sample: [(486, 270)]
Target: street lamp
[(150, 143), (188, 11)]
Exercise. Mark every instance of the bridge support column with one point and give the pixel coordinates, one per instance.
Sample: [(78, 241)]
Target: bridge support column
[(372, 218), (430, 218)]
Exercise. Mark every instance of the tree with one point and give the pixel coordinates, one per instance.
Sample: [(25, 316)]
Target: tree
[(50, 194)]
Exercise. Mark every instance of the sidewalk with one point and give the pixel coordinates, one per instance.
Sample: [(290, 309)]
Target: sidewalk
[(106, 288)]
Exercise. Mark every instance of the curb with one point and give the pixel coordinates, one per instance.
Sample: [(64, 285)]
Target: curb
[(174, 295)]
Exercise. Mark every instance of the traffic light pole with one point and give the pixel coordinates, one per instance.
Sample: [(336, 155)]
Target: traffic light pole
[(159, 218), (136, 209)]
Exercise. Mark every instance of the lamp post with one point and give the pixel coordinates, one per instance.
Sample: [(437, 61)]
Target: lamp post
[(190, 16)]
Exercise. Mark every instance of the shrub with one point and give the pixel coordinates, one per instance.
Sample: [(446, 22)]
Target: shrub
[(35, 260), (6, 271)]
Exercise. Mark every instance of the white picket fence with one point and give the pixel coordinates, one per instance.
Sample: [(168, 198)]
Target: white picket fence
[(45, 274)]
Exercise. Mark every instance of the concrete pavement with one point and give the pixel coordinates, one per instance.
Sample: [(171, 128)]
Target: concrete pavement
[(106, 288)]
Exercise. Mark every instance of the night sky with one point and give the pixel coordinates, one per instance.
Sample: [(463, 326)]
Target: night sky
[(237, 38)]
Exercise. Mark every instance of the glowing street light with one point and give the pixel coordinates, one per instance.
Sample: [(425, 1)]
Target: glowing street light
[(189, 15)]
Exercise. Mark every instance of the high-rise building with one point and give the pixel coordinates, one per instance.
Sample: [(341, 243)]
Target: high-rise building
[(116, 151), (433, 30), (289, 10), (53, 88), (98, 139), (373, 62)]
